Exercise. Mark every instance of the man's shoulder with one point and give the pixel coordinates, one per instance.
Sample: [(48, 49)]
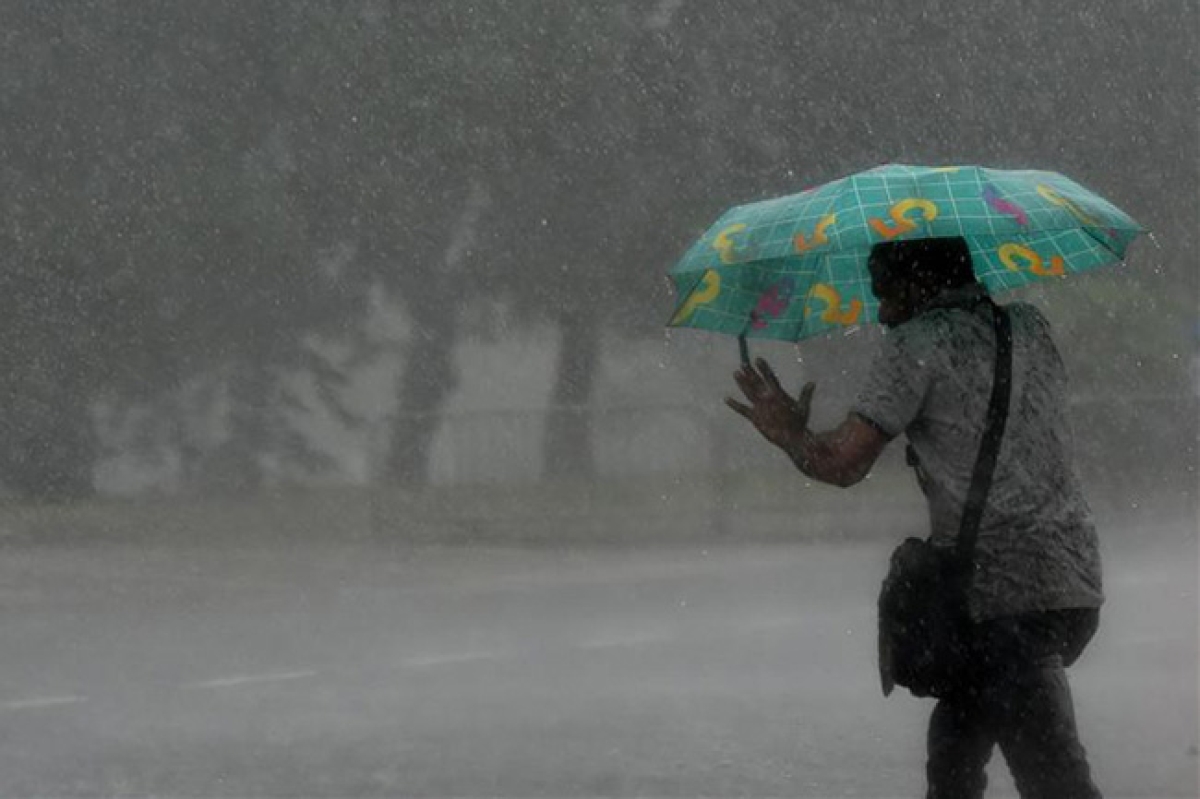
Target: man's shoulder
[(939, 321), (914, 338), (932, 330), (939, 330), (1026, 309), (1029, 317)]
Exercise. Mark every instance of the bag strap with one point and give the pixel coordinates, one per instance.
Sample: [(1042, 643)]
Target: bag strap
[(989, 447)]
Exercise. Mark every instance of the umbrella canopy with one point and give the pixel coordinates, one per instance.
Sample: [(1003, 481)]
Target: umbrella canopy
[(796, 266)]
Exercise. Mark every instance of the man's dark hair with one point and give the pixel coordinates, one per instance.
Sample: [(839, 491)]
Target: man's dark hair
[(935, 264)]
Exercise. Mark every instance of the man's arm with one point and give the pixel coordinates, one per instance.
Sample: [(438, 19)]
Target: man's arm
[(842, 456)]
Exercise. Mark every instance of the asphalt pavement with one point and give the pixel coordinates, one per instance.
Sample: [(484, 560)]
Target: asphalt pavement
[(340, 670)]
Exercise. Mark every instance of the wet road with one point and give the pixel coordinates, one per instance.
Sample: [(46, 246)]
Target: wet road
[(374, 671)]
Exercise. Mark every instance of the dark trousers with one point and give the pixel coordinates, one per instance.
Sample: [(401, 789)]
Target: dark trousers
[(1016, 696)]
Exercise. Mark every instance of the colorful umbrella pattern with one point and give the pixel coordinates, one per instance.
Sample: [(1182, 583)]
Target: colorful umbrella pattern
[(796, 266)]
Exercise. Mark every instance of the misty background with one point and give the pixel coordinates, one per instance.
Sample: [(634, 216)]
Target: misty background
[(343, 451), (254, 245)]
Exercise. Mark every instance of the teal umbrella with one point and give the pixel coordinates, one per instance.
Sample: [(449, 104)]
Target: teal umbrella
[(796, 266)]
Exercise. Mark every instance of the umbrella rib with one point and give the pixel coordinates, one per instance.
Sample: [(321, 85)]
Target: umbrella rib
[(683, 297), (1100, 240)]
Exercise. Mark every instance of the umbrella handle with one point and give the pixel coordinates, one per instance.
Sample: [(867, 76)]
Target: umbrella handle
[(744, 350)]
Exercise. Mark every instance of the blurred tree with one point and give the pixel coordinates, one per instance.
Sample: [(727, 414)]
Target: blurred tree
[(593, 177), (398, 105), (192, 193), (153, 165), (244, 280), (70, 307)]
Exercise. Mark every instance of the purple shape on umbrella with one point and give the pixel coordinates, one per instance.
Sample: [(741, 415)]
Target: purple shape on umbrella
[(1007, 207), (772, 302)]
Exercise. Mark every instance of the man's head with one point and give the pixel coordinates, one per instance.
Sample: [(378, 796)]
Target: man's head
[(905, 275)]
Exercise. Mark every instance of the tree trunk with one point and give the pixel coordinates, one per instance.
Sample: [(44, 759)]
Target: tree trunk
[(568, 443), (429, 376), (235, 467), (428, 379)]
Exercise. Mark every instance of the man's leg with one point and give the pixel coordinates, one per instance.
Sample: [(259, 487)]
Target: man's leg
[(959, 746), (1032, 712), (1036, 731)]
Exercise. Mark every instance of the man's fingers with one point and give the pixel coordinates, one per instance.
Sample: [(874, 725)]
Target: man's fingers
[(751, 376), (804, 404), (739, 407), (750, 383), (768, 375), (743, 382)]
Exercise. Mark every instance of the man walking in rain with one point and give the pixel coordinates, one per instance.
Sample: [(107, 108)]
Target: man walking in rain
[(1035, 590)]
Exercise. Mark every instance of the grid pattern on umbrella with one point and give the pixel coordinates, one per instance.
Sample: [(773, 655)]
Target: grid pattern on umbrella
[(795, 266)]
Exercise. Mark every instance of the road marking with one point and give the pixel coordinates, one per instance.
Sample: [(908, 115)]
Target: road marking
[(427, 661), (625, 640), (43, 701), (250, 679), (773, 622), (770, 625)]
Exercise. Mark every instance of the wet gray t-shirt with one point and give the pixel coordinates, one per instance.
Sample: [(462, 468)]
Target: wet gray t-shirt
[(932, 381)]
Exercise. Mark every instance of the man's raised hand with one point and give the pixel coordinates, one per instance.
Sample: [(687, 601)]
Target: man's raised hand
[(779, 417)]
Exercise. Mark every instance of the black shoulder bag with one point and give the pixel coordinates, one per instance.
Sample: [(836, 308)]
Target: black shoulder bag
[(924, 621)]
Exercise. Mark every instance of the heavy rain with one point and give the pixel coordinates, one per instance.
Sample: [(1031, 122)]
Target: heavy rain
[(344, 449)]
